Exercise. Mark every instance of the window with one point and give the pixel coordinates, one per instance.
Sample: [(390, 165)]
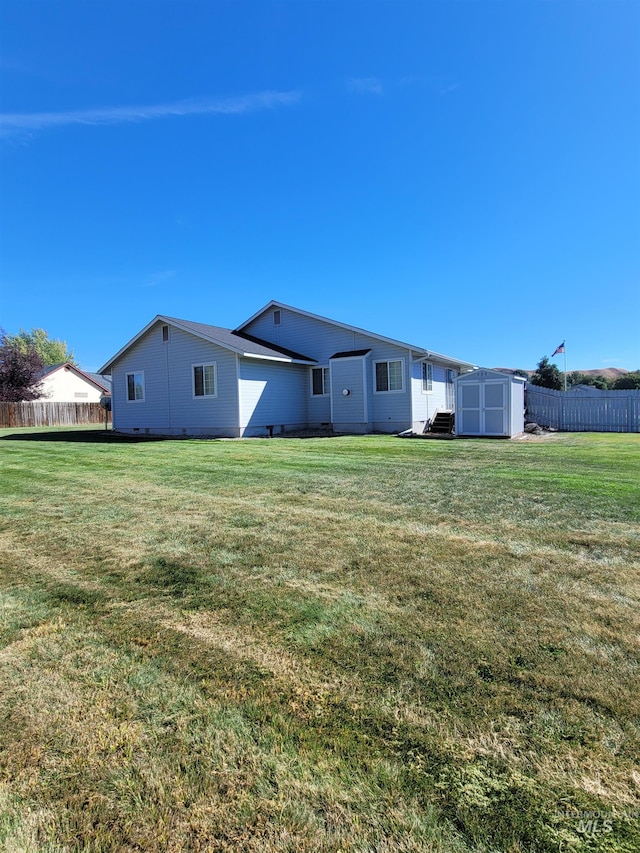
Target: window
[(388, 375), (427, 376), (135, 387), (319, 381), (165, 334), (277, 317), (204, 380)]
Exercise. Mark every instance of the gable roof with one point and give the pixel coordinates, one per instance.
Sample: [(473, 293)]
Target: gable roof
[(242, 344), (95, 379), (421, 351)]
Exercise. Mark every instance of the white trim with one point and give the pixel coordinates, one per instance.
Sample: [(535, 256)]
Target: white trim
[(326, 390), (126, 386), (331, 390), (390, 390), (239, 393), (365, 390), (351, 357), (283, 358), (429, 364), (204, 364)]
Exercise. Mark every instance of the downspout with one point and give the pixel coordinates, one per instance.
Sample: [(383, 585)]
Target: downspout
[(238, 390), (166, 360)]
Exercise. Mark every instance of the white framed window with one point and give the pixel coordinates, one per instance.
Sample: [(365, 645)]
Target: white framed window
[(388, 375), (320, 381), (135, 386), (205, 382), (427, 377)]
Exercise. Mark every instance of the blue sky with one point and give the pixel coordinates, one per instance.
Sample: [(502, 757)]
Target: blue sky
[(460, 175)]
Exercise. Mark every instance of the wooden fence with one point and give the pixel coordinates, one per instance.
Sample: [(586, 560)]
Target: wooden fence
[(38, 413), (584, 411)]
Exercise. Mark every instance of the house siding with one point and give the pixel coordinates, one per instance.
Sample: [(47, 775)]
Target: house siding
[(216, 415), (151, 414), (318, 407), (350, 412), (272, 395), (314, 338), (424, 403), (388, 412), (259, 395), (169, 406)]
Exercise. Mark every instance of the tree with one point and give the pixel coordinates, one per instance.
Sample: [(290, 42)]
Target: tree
[(547, 375), (19, 371), (577, 378), (50, 350), (628, 382)]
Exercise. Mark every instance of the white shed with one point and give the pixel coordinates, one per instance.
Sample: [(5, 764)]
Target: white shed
[(489, 403)]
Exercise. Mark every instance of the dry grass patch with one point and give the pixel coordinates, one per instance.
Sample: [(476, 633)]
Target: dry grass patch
[(351, 644)]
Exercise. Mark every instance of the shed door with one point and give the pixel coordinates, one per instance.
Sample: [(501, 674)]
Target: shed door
[(495, 408), (483, 409), (468, 414)]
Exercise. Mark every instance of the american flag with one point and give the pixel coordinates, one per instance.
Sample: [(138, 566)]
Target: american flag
[(558, 349)]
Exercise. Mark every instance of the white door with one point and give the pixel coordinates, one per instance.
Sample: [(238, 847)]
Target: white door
[(495, 409), (449, 390), (482, 409)]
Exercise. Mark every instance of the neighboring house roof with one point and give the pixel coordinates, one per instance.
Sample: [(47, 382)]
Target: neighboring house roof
[(95, 379), (238, 342), (103, 381), (427, 354)]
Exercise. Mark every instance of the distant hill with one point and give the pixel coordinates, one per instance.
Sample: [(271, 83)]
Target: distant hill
[(607, 372)]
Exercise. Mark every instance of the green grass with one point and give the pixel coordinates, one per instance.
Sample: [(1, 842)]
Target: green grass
[(349, 644)]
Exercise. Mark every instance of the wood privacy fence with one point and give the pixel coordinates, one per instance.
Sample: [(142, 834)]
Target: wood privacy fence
[(584, 411), (38, 413)]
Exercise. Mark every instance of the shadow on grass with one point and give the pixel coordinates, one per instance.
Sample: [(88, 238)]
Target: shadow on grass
[(92, 436), (101, 436)]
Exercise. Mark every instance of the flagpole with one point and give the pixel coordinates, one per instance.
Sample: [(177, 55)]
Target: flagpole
[(564, 347)]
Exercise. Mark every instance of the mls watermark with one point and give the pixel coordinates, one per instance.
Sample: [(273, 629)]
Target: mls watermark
[(594, 823)]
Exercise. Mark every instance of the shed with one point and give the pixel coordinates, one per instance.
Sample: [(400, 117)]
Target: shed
[(489, 402)]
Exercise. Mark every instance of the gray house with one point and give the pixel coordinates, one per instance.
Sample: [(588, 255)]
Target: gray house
[(281, 370)]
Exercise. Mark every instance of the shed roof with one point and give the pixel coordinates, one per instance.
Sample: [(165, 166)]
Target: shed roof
[(484, 372)]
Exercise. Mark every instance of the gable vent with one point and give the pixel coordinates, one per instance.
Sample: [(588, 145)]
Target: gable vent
[(277, 317)]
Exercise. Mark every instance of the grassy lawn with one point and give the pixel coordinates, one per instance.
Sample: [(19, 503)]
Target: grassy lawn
[(346, 644)]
